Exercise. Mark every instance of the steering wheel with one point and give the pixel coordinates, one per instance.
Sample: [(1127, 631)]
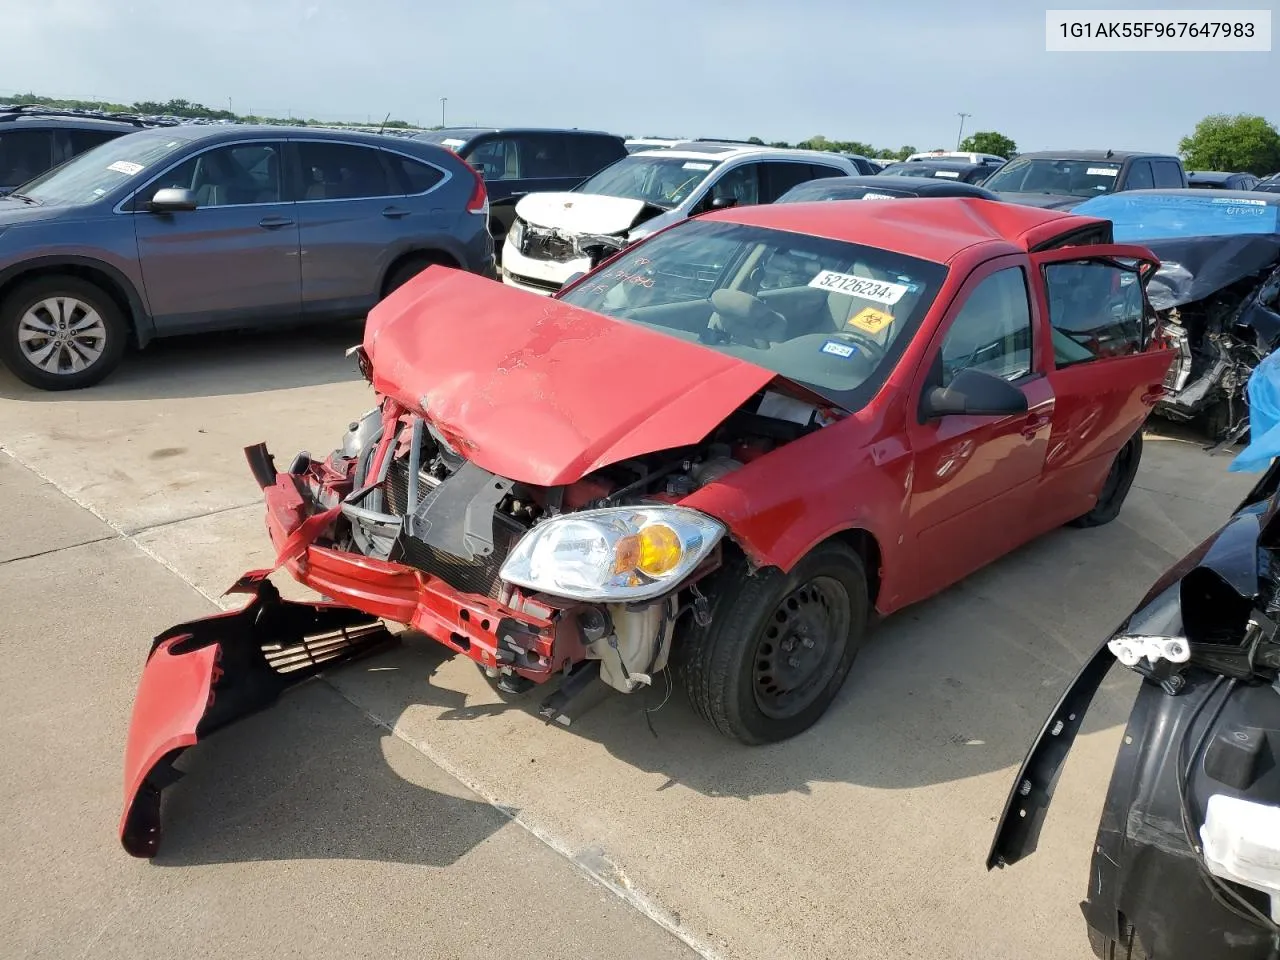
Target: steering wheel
[(742, 318)]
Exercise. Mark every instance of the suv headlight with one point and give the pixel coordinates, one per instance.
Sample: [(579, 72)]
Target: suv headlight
[(516, 233), (612, 554)]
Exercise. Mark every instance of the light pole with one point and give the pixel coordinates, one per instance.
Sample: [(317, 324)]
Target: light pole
[(443, 101), (960, 135)]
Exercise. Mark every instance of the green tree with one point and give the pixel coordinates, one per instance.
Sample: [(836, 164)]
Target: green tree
[(1243, 142), (988, 141), (902, 154), (756, 140)]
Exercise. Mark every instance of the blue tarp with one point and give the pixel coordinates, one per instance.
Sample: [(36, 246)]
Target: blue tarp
[(1264, 418), (1139, 216)]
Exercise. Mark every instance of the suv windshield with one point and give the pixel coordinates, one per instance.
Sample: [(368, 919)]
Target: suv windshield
[(661, 181), (94, 174), (833, 316), (1075, 178)]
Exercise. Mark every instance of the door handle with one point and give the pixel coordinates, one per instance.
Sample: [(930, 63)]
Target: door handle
[(272, 223), (1155, 393), (394, 213), (1035, 423)]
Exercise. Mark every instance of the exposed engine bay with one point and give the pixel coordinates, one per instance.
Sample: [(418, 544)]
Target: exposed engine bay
[(431, 509), (1218, 341)]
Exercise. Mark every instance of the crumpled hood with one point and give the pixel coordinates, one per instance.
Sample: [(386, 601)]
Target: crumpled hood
[(576, 213), (1045, 201), (541, 392)]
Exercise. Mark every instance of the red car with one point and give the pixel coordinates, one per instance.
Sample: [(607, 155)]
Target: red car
[(729, 448)]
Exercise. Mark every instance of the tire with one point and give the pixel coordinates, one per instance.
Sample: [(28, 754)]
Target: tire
[(728, 667), (407, 271), (59, 304), (1104, 948), (1116, 487)]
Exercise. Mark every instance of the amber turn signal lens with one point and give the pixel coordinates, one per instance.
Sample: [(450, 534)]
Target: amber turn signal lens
[(660, 550)]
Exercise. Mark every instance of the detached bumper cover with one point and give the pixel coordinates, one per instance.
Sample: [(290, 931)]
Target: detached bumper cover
[(205, 674)]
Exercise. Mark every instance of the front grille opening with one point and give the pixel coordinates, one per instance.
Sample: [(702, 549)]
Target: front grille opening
[(479, 576), (320, 649), (461, 641)]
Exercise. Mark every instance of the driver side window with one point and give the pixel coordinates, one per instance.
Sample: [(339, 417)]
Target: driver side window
[(992, 331)]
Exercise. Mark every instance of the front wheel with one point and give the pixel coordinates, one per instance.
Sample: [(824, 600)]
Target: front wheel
[(778, 647), (61, 333), (1116, 487)]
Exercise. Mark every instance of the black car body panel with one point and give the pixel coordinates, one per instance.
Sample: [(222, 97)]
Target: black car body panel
[(1216, 180), (1146, 878)]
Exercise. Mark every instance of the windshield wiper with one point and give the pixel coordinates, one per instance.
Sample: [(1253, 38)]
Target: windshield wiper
[(23, 197)]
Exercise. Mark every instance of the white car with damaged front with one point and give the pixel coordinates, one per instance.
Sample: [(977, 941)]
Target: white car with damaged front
[(556, 236)]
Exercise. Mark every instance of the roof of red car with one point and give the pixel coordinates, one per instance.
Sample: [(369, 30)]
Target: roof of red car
[(934, 229)]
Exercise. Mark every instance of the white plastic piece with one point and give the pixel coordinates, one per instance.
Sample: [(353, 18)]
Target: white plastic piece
[(1130, 649), (1241, 841)]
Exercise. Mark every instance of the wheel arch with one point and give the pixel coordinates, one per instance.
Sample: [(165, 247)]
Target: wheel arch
[(109, 279), (425, 255), (860, 539)]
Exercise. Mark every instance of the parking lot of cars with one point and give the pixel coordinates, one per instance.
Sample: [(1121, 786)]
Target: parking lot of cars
[(662, 430)]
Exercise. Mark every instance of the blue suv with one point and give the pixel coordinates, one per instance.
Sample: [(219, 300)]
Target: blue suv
[(188, 229)]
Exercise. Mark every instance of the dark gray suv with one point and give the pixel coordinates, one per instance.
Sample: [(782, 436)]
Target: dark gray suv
[(188, 229)]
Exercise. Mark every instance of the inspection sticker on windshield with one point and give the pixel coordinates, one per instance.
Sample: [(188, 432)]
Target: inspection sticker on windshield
[(867, 289), (838, 349), (949, 174), (1101, 172), (872, 195), (694, 165), (870, 320), (128, 168), (451, 142)]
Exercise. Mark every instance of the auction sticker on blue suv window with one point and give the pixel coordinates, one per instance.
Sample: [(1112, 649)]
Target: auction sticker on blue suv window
[(854, 286)]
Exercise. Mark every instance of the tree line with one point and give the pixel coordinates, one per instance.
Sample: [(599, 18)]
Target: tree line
[(1244, 143)]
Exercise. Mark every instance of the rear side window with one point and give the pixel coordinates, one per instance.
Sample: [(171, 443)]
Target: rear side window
[(589, 154), (819, 171), (1139, 176), (24, 154), (1096, 311), (496, 158), (343, 171), (415, 177), (544, 156), (1167, 173)]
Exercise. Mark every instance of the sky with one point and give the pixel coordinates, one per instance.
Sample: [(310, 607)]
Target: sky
[(776, 69)]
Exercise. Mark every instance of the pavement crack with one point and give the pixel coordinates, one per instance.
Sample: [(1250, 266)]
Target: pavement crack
[(135, 531), (69, 546)]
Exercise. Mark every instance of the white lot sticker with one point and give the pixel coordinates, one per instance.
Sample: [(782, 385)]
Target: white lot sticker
[(691, 165), (871, 195), (1101, 172), (1260, 203), (949, 174), (128, 168), (453, 143), (867, 289)]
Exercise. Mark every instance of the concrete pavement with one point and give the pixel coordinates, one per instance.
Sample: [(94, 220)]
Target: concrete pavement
[(862, 838)]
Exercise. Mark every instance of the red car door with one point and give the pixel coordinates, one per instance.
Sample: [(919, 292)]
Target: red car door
[(1107, 368), (973, 478)]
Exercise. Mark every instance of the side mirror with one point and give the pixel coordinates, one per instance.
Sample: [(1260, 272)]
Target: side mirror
[(974, 393), (723, 203), (172, 200)]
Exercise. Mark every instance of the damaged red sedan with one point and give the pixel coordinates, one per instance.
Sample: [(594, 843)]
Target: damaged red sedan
[(727, 449)]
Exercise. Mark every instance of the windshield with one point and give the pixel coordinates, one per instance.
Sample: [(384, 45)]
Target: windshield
[(825, 190), (833, 316), (923, 169), (97, 172), (1074, 178), (446, 138), (661, 181)]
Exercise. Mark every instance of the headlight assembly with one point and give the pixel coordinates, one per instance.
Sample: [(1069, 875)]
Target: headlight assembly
[(612, 554), (516, 233)]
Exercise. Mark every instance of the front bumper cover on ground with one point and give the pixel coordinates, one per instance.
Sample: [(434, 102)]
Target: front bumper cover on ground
[(205, 674)]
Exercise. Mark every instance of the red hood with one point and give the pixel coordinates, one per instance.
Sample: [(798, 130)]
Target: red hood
[(539, 391)]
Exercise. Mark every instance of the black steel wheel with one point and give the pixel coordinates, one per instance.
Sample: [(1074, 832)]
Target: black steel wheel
[(801, 645), (779, 645)]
